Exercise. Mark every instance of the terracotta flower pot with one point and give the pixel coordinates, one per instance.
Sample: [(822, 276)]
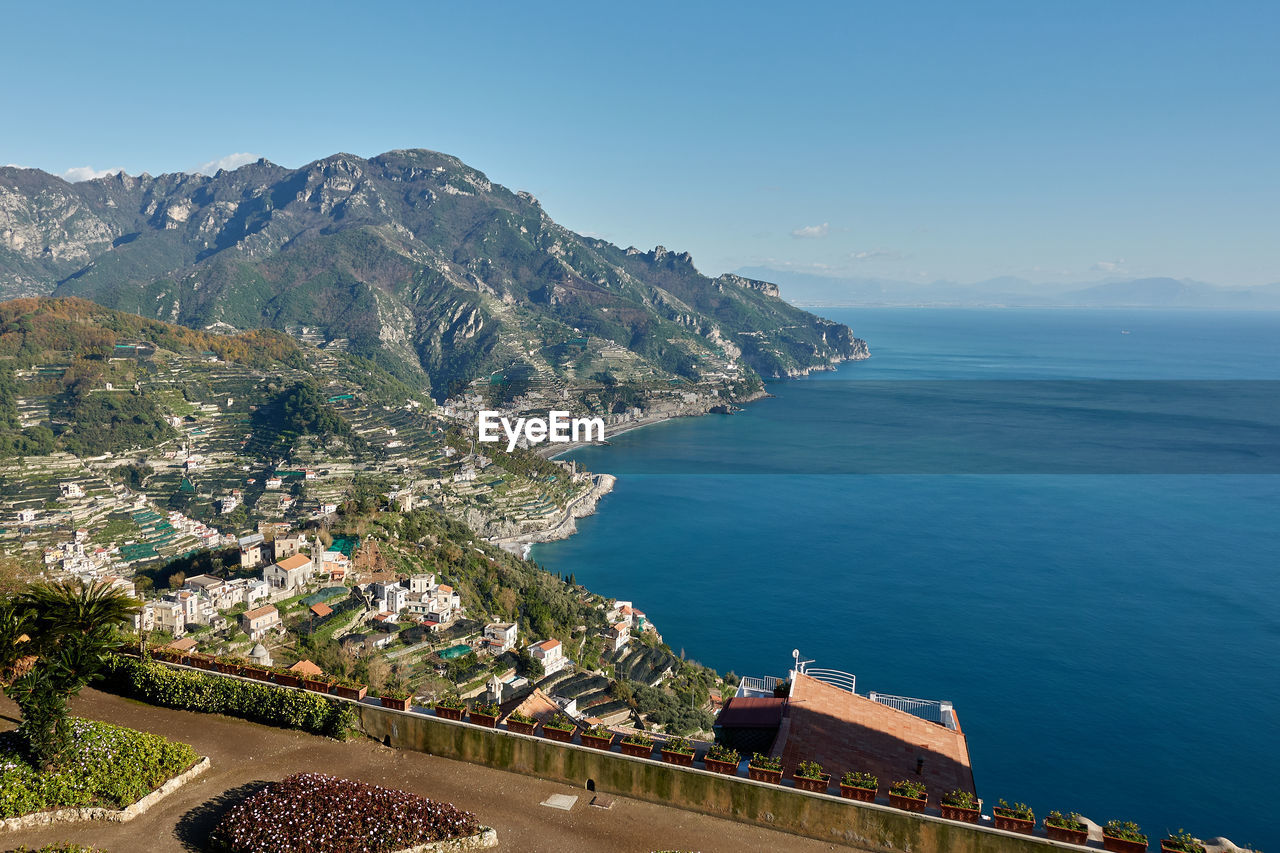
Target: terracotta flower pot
[(637, 750), (521, 728), (680, 759), (762, 775), (254, 673), (1071, 836), (285, 680), (317, 686), (728, 768), (561, 735), (449, 713), (597, 742), (817, 786), (488, 722), (910, 804), (1013, 824), (960, 813), (348, 692), (395, 704), (853, 792), (1168, 845), (1123, 845)]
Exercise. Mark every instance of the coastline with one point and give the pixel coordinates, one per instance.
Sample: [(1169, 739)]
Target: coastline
[(567, 524)]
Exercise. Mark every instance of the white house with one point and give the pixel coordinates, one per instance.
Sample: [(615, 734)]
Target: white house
[(261, 621), (550, 653), (422, 583), (167, 616), (617, 635), (500, 636)]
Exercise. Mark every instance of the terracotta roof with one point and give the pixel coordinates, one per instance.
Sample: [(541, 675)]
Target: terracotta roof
[(297, 561), (321, 610), (537, 705), (548, 645), (186, 644), (260, 611), (843, 731), (306, 667), (751, 713), (445, 588)]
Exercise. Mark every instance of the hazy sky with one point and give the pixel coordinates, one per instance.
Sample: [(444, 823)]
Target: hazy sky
[(1049, 140)]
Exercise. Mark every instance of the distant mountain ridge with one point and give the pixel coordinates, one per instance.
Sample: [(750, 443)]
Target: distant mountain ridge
[(818, 290), (411, 257)]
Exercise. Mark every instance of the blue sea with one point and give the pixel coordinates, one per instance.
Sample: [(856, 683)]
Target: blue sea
[(1105, 615)]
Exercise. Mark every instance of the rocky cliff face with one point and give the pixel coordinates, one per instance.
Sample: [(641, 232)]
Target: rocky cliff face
[(412, 257)]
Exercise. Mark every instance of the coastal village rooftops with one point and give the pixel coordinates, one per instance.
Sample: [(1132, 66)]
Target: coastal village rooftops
[(297, 561), (844, 731), (306, 667)]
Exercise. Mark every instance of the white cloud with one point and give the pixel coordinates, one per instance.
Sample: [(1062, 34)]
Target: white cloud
[(76, 174), (874, 255), (812, 232), (1108, 266), (231, 161)]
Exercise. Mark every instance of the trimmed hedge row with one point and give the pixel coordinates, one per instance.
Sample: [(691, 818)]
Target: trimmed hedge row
[(214, 694)]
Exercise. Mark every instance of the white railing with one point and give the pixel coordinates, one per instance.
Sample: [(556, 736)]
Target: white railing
[(935, 711), (750, 685), (834, 677)]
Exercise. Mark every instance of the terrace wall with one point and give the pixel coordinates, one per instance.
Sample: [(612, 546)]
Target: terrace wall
[(828, 818)]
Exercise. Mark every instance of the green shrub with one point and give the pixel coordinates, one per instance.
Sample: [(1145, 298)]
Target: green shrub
[(104, 765), (214, 694)]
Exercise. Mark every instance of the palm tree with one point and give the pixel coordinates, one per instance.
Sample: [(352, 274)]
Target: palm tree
[(69, 629)]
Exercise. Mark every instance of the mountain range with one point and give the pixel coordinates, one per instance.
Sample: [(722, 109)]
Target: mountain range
[(819, 290), (411, 258)]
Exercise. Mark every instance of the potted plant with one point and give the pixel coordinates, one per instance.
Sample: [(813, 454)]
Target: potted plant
[(285, 678), (559, 727), (859, 785), (637, 745), (229, 666), (678, 751), (484, 714), (722, 759), (204, 662), (349, 689), (1181, 842), (521, 724), (597, 737), (960, 805), (396, 698), (908, 795), (321, 683), (808, 776), (765, 768), (1017, 817), (450, 707), (1069, 828), (1123, 836)]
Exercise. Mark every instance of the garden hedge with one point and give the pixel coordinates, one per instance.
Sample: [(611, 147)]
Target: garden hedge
[(208, 693)]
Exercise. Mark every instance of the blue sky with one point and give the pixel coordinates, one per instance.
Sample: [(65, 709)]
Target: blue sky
[(1052, 141)]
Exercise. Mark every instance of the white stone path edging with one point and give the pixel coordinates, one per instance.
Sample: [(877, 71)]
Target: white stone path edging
[(129, 812), (486, 837)]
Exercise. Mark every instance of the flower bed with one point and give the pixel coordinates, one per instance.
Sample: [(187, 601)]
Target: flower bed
[(677, 751), (808, 776), (106, 766), (212, 694), (485, 714), (325, 814), (521, 723)]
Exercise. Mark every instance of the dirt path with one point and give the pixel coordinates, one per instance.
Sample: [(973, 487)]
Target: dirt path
[(244, 753)]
